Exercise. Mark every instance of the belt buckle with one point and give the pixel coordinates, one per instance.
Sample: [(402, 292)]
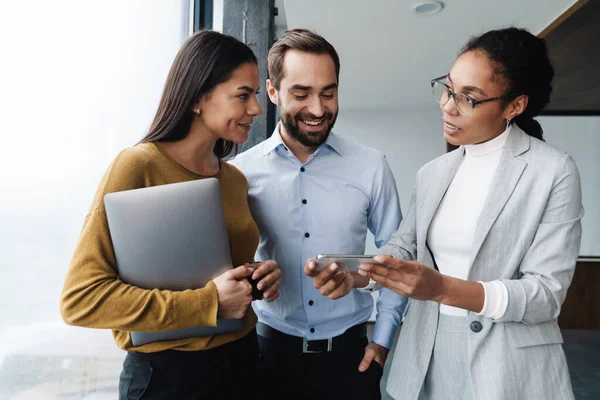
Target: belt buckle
[(306, 346)]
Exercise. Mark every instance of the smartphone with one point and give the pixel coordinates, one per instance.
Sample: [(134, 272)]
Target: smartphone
[(256, 293), (346, 262)]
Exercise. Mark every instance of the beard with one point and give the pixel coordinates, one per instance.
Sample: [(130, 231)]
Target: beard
[(310, 139)]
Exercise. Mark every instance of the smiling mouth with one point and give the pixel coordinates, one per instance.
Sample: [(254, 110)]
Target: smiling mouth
[(312, 122), (245, 125), (450, 126)]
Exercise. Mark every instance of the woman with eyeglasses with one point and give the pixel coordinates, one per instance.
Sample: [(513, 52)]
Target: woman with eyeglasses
[(488, 248)]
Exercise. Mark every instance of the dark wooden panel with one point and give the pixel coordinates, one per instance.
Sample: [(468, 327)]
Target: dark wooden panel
[(574, 49), (581, 309), (251, 21), (561, 18)]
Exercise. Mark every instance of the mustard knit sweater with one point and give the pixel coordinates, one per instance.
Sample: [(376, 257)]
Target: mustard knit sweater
[(93, 295)]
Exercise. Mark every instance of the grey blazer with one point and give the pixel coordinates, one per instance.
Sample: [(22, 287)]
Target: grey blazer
[(528, 235)]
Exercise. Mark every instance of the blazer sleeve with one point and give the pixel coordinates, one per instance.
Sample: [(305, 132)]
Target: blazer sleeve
[(547, 268), (403, 243)]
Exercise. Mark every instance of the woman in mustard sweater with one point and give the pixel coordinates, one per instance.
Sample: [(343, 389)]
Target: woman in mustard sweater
[(208, 104)]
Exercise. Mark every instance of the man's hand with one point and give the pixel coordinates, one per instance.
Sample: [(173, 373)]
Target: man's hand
[(271, 278), (330, 282), (373, 352)]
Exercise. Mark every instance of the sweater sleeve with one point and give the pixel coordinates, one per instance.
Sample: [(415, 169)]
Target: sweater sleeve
[(93, 295)]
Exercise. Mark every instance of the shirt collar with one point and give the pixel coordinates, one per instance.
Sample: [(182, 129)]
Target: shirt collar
[(273, 142), (333, 142)]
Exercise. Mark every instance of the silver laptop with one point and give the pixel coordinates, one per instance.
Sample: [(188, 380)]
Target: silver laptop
[(171, 237)]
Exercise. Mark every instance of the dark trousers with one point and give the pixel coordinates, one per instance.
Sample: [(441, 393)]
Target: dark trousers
[(227, 372), (292, 374)]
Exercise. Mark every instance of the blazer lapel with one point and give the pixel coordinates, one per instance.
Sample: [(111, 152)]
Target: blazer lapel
[(438, 182), (507, 176)]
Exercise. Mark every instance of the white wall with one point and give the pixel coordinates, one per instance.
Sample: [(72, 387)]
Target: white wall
[(409, 139), (580, 137)]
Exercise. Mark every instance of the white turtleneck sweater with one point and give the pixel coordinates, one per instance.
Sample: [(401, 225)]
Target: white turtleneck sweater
[(452, 229)]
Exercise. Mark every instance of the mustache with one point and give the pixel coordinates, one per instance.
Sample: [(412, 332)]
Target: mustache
[(328, 115)]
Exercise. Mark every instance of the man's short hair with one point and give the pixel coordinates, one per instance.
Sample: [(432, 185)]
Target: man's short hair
[(302, 40)]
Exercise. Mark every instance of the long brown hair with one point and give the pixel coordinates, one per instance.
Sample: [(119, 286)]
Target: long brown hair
[(205, 60)]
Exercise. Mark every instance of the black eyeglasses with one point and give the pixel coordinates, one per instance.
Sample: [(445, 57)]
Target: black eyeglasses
[(464, 104)]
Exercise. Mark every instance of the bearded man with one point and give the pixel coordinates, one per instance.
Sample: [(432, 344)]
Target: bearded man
[(312, 191)]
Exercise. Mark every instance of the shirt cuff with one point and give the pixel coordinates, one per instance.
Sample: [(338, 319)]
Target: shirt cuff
[(496, 299), (385, 329), (372, 286)]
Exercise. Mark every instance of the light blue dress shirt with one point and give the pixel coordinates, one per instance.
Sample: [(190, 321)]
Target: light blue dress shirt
[(322, 206)]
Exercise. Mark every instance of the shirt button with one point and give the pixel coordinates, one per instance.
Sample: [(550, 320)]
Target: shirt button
[(312, 330), (476, 326), (304, 201), (310, 302), (307, 235), (302, 169)]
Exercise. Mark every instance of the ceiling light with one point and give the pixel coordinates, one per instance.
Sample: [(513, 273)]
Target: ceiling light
[(428, 8)]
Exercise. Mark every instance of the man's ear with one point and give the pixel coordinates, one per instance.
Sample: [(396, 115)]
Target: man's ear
[(273, 93)]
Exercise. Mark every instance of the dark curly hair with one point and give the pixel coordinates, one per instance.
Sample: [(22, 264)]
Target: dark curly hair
[(522, 60)]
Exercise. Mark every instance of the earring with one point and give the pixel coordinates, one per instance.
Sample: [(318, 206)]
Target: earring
[(507, 123), (198, 111)]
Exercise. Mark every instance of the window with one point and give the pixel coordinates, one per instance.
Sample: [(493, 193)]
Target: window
[(79, 81)]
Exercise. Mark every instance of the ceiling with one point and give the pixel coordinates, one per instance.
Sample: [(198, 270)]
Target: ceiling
[(389, 55)]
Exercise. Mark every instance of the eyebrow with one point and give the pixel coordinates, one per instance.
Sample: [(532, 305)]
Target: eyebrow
[(469, 88), (300, 87), (248, 89), (308, 88), (330, 86)]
